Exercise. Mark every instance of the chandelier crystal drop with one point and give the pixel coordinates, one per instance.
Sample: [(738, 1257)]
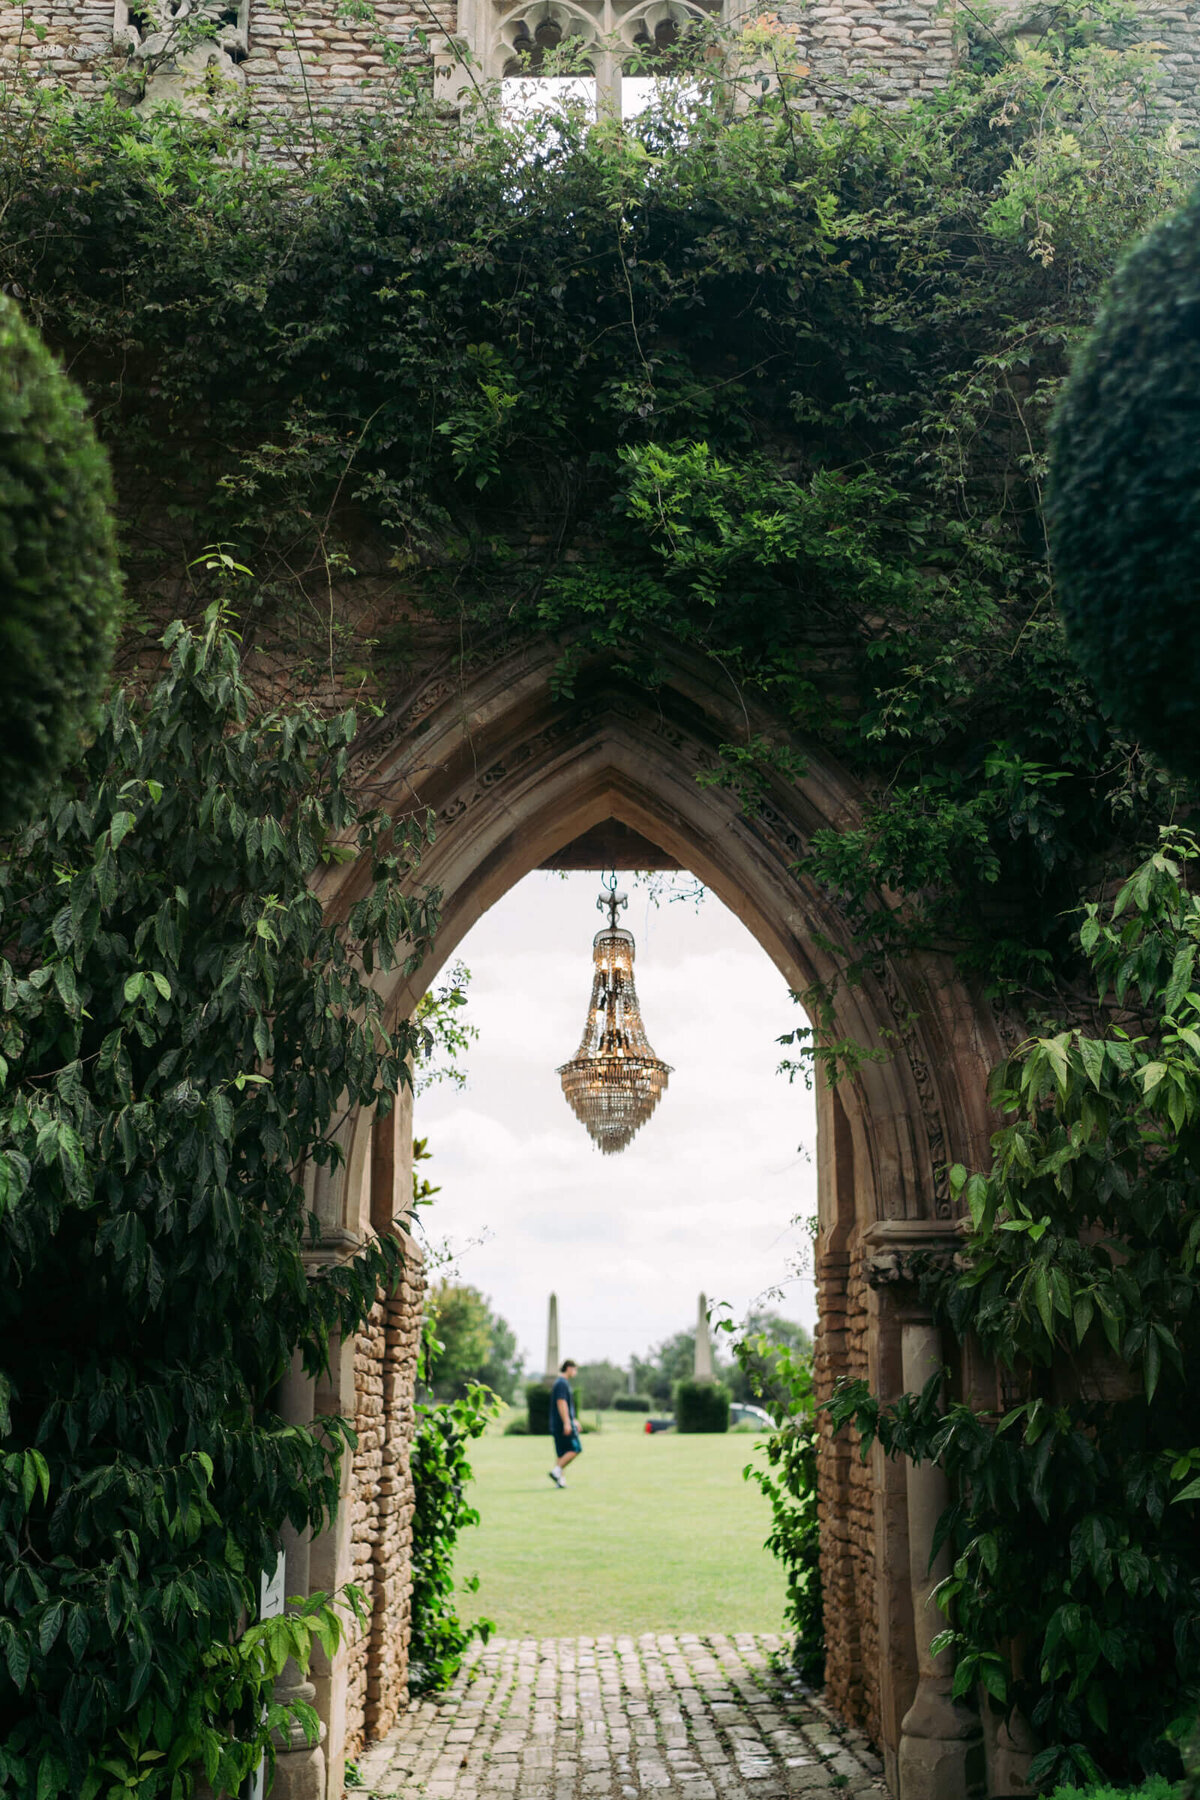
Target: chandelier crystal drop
[(614, 1081)]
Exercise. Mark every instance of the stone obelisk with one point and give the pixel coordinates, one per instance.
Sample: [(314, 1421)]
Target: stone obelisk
[(702, 1365), (552, 1339)]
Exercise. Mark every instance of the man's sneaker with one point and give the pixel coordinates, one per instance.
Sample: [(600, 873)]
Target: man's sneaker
[(556, 1477)]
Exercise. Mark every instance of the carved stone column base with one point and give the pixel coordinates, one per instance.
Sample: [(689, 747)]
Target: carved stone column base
[(941, 1747), (1010, 1750), (300, 1774)]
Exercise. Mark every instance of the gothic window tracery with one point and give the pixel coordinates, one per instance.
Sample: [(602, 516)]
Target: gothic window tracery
[(561, 44), (153, 29)]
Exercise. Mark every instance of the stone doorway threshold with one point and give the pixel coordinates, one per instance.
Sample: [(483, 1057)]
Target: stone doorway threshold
[(668, 1716)]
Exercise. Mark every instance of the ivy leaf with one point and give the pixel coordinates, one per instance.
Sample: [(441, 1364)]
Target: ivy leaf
[(1151, 1365), (49, 1625), (122, 824), (1182, 969), (17, 1657), (1092, 1054)]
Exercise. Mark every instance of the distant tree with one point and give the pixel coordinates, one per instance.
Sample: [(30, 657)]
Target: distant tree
[(754, 1374), (505, 1365), (673, 1360), (669, 1362), (599, 1383), (475, 1344)]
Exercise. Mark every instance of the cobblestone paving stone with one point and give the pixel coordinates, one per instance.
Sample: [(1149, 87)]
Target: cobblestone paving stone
[(616, 1718)]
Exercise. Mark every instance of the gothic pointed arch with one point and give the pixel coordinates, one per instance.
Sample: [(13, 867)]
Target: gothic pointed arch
[(512, 766)]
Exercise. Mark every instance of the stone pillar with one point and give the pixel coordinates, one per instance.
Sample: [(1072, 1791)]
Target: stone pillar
[(941, 1748), (300, 1766), (331, 1566), (552, 1339), (702, 1362), (608, 83)]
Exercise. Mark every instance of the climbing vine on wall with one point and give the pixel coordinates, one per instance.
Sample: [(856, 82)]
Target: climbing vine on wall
[(1075, 1591), (445, 1430), (181, 1030), (739, 384), (783, 1378), (763, 386)]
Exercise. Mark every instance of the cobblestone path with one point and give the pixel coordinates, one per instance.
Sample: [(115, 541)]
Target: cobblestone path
[(618, 1718)]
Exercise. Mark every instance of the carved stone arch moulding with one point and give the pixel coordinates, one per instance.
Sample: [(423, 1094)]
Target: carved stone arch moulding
[(513, 771)]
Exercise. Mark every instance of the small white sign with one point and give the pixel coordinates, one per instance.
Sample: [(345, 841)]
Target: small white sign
[(271, 1590), (272, 1597)]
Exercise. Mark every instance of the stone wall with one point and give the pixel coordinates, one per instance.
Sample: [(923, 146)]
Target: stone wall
[(846, 1497), (308, 56), (878, 52), (1177, 28), (885, 52), (381, 1502), (343, 59), (881, 52)]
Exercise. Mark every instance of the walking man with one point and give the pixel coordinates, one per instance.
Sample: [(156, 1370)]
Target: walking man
[(563, 1423)]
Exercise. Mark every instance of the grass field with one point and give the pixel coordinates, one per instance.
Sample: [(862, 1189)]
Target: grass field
[(652, 1534)]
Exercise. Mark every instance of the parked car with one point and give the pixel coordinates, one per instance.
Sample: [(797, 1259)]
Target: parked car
[(659, 1425), (742, 1413)]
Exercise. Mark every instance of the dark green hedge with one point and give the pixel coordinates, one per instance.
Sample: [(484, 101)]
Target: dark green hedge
[(701, 1406), (639, 1403), (537, 1403), (60, 590), (1124, 510), (1156, 1788)]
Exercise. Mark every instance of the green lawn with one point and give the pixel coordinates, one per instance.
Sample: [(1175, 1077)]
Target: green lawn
[(652, 1534)]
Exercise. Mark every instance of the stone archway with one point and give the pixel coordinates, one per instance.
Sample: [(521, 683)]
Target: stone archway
[(514, 770)]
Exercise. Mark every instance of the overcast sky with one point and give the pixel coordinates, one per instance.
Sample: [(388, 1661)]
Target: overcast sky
[(707, 1195)]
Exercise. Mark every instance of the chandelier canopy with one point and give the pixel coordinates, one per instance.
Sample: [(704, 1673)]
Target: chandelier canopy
[(614, 1081)]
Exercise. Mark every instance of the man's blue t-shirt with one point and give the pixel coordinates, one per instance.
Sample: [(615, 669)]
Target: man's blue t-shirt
[(561, 1391)]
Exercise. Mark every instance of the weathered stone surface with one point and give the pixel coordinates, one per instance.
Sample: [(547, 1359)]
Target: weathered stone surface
[(385, 1364), (879, 52), (674, 1714)]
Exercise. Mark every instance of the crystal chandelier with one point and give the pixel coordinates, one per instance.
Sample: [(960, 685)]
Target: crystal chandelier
[(615, 1081)]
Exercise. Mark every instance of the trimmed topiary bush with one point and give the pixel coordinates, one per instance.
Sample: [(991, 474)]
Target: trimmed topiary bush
[(1124, 499), (537, 1405), (701, 1406), (60, 588), (638, 1403)]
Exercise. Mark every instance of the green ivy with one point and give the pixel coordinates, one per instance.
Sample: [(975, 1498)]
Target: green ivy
[(1075, 1592), (783, 1377), (182, 1030), (764, 386), (441, 1471)]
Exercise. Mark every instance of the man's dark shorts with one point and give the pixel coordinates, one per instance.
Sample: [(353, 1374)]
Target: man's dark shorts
[(567, 1440)]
